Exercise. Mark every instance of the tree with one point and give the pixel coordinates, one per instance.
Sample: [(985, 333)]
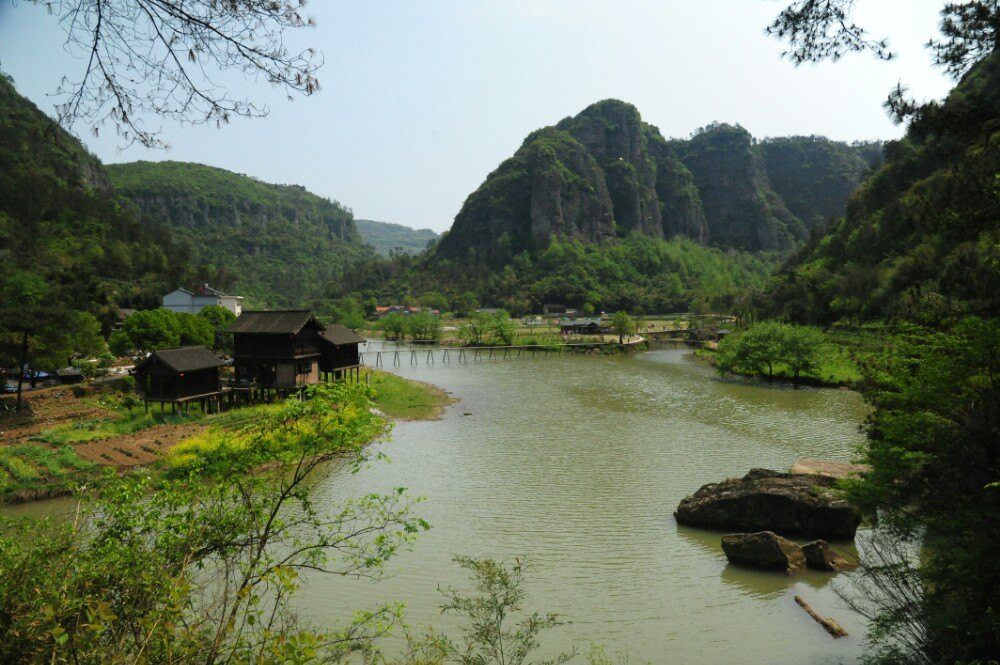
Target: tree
[(30, 313), (800, 348), (220, 319), (477, 330), (194, 330), (423, 326), (147, 330), (755, 351), (465, 305), (623, 325), (204, 568), (490, 637), (394, 326), (502, 329), (160, 56), (348, 312), (434, 300), (822, 29), (934, 451)]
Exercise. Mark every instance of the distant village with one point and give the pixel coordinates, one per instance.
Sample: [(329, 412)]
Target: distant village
[(281, 352)]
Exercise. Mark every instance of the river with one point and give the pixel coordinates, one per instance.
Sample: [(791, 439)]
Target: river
[(577, 463)]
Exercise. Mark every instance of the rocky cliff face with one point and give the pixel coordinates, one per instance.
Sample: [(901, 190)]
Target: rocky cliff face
[(605, 173), (742, 208), (278, 244), (597, 176)]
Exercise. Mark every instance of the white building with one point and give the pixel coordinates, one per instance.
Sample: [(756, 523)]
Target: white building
[(183, 300)]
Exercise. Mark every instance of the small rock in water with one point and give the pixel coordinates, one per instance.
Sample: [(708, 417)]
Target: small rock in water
[(466, 414), (820, 556), (764, 549)]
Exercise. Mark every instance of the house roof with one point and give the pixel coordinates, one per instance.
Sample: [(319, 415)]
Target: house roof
[(337, 334), (181, 290), (184, 358), (286, 322), (580, 322), (69, 371)]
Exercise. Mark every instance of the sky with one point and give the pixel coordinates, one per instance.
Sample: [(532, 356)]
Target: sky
[(420, 100)]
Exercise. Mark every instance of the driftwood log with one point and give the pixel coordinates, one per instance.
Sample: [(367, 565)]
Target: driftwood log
[(830, 625)]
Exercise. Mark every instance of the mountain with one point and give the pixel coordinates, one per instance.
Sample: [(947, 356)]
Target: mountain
[(921, 238), (276, 245), (60, 220), (814, 176), (386, 237), (606, 173), (731, 177)]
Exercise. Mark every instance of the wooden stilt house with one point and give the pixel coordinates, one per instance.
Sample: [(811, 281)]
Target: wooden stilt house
[(178, 377), (275, 351), (339, 352)]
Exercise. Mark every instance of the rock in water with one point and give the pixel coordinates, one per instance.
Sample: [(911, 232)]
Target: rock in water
[(765, 500), (765, 549), (819, 556)]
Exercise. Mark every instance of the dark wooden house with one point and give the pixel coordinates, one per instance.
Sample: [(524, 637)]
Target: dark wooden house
[(584, 327), (277, 351), (339, 352), (179, 376)]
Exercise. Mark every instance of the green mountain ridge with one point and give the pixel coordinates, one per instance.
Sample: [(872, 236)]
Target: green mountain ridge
[(276, 245), (387, 237), (60, 221), (921, 237), (605, 173)]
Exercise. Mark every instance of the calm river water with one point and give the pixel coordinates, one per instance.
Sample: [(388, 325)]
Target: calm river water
[(577, 464)]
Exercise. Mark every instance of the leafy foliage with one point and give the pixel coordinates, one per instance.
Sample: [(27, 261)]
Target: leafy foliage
[(59, 222), (638, 274), (920, 238), (935, 463), (152, 329), (276, 245), (759, 350), (490, 638), (204, 568)]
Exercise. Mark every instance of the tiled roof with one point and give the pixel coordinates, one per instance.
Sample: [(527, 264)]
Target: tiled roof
[(337, 334), (287, 322), (185, 358)]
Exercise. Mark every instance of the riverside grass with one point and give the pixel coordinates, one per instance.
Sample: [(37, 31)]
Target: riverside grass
[(49, 462)]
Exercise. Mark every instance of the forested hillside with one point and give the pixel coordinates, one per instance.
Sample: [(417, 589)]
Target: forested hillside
[(60, 223), (606, 173), (387, 238), (276, 245), (920, 239)]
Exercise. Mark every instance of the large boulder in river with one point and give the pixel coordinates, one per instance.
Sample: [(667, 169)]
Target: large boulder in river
[(820, 556), (765, 549), (765, 500)]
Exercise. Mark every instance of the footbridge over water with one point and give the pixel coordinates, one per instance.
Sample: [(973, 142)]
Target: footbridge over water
[(396, 356)]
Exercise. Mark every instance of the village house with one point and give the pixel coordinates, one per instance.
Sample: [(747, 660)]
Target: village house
[(182, 300), (384, 311), (339, 352), (584, 327), (277, 350), (179, 376)]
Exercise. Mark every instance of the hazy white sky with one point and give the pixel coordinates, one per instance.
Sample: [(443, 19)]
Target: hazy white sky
[(421, 100)]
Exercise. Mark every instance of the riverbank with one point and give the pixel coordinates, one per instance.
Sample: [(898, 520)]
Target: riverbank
[(72, 434), (838, 363)]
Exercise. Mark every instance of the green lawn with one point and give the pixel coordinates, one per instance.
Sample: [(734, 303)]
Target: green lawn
[(402, 398)]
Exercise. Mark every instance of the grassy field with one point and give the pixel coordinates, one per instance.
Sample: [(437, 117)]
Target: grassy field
[(71, 434), (404, 399)]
